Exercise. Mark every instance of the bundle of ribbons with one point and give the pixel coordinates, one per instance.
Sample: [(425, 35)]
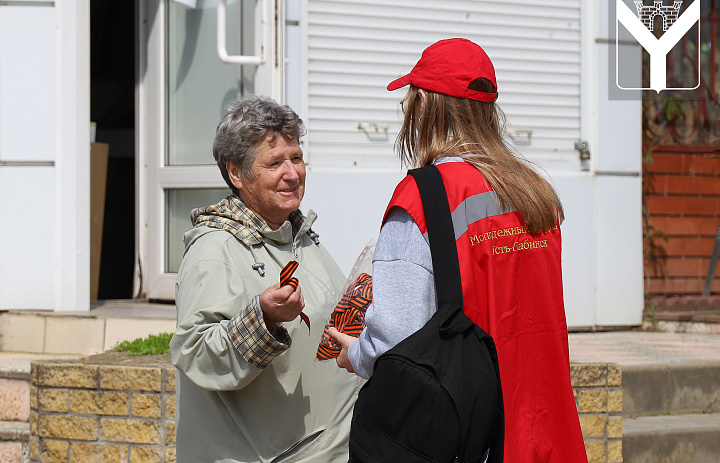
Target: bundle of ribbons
[(348, 316)]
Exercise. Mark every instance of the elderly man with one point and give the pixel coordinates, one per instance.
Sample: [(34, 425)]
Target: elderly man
[(250, 389)]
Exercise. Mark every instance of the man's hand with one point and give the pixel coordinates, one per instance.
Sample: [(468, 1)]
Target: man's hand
[(344, 340), (281, 304)]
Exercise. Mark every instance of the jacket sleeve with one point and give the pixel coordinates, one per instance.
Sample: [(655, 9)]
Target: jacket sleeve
[(221, 342)]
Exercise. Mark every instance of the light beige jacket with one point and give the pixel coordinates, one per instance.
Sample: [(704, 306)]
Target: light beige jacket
[(297, 409)]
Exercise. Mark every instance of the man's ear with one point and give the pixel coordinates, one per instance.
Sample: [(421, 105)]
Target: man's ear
[(235, 174)]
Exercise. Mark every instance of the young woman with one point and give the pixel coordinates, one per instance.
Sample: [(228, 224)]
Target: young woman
[(506, 219)]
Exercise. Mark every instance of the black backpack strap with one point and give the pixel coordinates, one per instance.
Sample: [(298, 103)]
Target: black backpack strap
[(441, 234), (448, 282)]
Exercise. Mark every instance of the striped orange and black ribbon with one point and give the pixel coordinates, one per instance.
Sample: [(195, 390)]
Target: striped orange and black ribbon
[(348, 316), (286, 278), (286, 274)]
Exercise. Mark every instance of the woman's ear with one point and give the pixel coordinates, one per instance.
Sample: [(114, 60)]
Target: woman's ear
[(423, 98), (235, 174)]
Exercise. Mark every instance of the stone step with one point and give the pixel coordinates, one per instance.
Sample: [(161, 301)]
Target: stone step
[(688, 316), (15, 384), (14, 399), (85, 333), (684, 438), (671, 388), (696, 304), (14, 431), (14, 388), (15, 404), (14, 438)]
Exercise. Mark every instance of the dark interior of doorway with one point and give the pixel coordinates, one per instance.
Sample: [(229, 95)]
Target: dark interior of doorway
[(112, 108)]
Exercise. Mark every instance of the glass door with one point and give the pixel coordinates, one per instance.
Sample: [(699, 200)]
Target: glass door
[(194, 61)]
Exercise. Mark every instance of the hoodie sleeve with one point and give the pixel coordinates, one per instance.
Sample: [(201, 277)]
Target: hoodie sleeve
[(221, 341), (403, 291)]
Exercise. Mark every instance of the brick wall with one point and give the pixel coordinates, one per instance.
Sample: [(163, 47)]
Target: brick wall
[(114, 408), (106, 408), (598, 396), (681, 189)]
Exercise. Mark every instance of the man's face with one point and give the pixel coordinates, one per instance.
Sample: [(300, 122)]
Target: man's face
[(278, 182)]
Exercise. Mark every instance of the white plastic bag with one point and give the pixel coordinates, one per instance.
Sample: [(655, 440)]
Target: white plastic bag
[(363, 264)]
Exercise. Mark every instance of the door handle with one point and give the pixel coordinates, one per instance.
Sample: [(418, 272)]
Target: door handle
[(222, 38)]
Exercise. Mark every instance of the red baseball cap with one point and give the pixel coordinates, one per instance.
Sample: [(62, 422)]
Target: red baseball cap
[(448, 67)]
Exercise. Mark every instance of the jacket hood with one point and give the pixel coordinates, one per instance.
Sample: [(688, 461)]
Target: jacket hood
[(233, 216)]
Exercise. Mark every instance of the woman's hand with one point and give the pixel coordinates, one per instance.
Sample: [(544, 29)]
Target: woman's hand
[(344, 340), (281, 304)]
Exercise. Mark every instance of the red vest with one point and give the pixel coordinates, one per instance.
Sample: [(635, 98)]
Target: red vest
[(512, 288)]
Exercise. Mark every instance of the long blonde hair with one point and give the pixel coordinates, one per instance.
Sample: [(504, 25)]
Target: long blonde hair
[(472, 130)]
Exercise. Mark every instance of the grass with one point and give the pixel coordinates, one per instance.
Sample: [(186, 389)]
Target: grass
[(651, 311), (152, 345)]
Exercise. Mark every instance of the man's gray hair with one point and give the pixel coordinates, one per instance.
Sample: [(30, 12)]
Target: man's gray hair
[(245, 124)]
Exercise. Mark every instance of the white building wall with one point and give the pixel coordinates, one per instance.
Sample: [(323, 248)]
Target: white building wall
[(27, 246), (27, 156), (547, 57), (550, 59), (619, 186), (44, 154)]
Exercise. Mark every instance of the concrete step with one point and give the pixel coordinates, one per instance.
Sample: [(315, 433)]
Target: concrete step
[(683, 304), (14, 410), (14, 438), (672, 412), (688, 316), (86, 333), (14, 388), (683, 314), (15, 384), (670, 388), (14, 399), (685, 438), (15, 404)]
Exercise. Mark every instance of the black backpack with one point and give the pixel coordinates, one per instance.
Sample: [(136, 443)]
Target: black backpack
[(434, 397)]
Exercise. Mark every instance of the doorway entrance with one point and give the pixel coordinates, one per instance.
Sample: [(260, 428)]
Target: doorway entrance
[(112, 108)]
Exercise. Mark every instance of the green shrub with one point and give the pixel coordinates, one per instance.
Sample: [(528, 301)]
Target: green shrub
[(152, 345)]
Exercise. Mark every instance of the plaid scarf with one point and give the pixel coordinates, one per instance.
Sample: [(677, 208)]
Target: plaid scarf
[(232, 215)]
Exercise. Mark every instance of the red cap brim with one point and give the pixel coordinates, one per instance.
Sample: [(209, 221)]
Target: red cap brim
[(397, 83)]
